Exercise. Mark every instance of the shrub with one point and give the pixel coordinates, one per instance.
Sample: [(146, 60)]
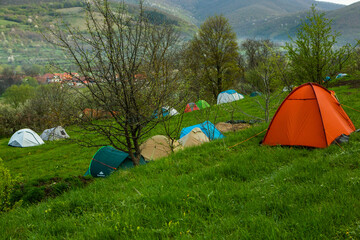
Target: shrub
[(7, 184), (10, 119)]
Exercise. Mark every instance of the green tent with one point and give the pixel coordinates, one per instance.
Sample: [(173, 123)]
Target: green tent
[(256, 93), (107, 160), (202, 104)]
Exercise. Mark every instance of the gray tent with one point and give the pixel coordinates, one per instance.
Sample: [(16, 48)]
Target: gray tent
[(55, 133)]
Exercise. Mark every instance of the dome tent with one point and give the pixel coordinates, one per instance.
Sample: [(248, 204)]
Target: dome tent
[(107, 160), (25, 138), (169, 111), (202, 104), (340, 75), (309, 116), (228, 96), (191, 107), (165, 111), (256, 93), (206, 127), (193, 138), (55, 133), (156, 147)]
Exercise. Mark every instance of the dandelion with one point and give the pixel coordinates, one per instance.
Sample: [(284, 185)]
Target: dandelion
[(138, 228)]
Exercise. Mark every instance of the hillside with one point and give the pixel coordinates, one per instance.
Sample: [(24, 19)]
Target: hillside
[(243, 15), (345, 20), (21, 25), (211, 191)]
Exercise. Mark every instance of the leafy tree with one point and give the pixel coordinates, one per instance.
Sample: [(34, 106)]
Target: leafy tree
[(52, 105), (30, 81), (8, 77), (214, 54), (32, 70), (18, 94), (256, 51), (127, 66), (313, 54)]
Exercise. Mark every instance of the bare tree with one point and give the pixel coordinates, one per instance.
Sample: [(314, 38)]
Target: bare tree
[(256, 51), (267, 77), (126, 64)]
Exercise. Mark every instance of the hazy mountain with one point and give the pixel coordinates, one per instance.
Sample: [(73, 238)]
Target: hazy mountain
[(274, 19), (346, 20), (238, 10)]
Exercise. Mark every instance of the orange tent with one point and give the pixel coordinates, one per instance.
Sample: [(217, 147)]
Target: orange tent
[(309, 116)]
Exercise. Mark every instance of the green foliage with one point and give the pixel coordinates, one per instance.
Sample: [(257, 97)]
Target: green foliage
[(7, 184), (312, 54), (30, 81), (211, 57), (17, 95), (32, 70), (39, 108)]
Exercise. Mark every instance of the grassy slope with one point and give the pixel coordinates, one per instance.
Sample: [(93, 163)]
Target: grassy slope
[(250, 191)]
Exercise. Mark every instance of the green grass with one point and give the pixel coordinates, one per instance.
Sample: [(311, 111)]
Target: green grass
[(207, 192)]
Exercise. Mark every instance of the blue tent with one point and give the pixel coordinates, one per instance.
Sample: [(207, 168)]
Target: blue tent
[(207, 127)]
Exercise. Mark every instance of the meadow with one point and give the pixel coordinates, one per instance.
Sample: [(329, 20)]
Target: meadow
[(208, 192)]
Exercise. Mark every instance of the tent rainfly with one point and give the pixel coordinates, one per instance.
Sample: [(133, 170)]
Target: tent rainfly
[(202, 104), (55, 133), (256, 93), (157, 147), (165, 111), (206, 127), (191, 107), (193, 138), (25, 138), (309, 116), (107, 160), (228, 96)]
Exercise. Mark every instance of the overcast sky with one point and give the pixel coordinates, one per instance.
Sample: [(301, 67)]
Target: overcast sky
[(345, 2)]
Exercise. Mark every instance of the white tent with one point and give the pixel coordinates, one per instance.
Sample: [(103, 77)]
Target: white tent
[(54, 134), (228, 96), (172, 111), (194, 138), (288, 88), (25, 138)]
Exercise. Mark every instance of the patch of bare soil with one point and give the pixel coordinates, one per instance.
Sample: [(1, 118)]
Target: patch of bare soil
[(228, 127)]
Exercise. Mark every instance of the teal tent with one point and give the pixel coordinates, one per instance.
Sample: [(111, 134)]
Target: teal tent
[(107, 160), (254, 94)]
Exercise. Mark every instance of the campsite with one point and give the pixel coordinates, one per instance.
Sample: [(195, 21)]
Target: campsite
[(203, 191), (177, 120)]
